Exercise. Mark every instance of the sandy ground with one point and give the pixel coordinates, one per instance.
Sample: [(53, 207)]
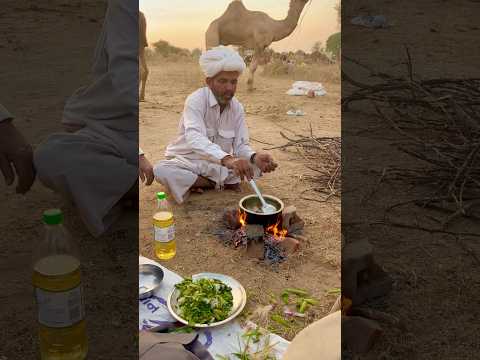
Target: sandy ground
[(317, 266), (46, 51), (434, 277)]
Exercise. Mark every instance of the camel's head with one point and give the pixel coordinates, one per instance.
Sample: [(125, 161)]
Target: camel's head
[(298, 5)]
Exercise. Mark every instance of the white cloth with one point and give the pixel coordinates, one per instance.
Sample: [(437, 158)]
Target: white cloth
[(221, 58), (300, 88), (206, 136), (4, 114), (112, 96), (89, 171), (220, 340), (322, 338), (96, 166)]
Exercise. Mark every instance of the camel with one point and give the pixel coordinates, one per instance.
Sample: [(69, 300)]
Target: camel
[(142, 44), (252, 30)]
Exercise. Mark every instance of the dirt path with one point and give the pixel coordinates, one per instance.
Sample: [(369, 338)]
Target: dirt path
[(317, 266)]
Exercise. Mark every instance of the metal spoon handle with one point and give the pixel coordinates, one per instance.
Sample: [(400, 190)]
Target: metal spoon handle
[(255, 188)]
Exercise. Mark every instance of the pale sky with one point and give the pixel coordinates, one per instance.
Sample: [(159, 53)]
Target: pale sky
[(183, 22)]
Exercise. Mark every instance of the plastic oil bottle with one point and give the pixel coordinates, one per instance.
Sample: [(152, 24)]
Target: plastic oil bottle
[(58, 293), (164, 229)]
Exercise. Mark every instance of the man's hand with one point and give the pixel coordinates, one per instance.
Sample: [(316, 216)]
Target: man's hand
[(265, 162), (14, 150), (240, 167), (145, 170)]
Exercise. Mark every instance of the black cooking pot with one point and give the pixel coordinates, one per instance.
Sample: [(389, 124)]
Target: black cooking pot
[(251, 206)]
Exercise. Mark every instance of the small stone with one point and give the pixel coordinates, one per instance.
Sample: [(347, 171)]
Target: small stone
[(289, 245), (226, 236), (359, 333), (230, 218), (291, 221), (254, 232), (357, 258), (358, 254), (296, 226), (255, 249), (375, 283)]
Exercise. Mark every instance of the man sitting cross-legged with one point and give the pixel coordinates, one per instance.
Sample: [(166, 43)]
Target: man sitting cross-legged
[(212, 149)]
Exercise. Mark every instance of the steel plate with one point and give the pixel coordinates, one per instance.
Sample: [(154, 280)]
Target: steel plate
[(149, 279), (238, 292)]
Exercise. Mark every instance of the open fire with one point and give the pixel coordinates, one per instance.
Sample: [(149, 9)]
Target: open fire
[(278, 234), (275, 230), (271, 243), (242, 217)]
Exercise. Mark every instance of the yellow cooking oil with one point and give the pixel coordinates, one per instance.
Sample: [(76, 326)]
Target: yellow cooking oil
[(62, 330), (164, 229), (58, 292)]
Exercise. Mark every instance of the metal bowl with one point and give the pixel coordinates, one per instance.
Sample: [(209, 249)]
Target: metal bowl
[(250, 203), (149, 279), (238, 292)]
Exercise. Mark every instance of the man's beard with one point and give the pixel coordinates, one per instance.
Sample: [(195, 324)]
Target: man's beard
[(223, 99)]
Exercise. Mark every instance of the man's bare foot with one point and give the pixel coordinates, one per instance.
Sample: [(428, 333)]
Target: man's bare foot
[(197, 190), (202, 184), (233, 187)]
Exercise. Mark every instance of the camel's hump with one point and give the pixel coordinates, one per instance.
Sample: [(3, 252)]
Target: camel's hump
[(236, 5)]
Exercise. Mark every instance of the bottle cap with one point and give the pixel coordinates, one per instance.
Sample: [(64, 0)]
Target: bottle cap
[(53, 217), (161, 195)]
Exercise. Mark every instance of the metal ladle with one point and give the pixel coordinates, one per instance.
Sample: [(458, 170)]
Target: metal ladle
[(266, 208)]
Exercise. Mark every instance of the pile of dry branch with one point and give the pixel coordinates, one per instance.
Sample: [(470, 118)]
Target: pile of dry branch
[(323, 157), (439, 124)]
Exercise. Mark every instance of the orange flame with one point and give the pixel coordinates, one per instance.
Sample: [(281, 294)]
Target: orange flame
[(242, 218), (278, 234)]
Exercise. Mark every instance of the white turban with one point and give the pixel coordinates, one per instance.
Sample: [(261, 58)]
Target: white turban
[(221, 58)]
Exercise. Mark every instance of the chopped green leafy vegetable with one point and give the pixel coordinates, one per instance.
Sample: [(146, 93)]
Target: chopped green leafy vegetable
[(254, 334), (204, 301), (299, 292)]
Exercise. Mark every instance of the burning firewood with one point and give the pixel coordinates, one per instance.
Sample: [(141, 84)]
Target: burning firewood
[(239, 238), (269, 243)]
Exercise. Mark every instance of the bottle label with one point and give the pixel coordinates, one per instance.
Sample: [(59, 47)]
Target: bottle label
[(60, 309), (164, 234)]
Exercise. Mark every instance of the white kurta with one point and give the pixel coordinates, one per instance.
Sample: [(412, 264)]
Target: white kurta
[(206, 136), (97, 165)]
